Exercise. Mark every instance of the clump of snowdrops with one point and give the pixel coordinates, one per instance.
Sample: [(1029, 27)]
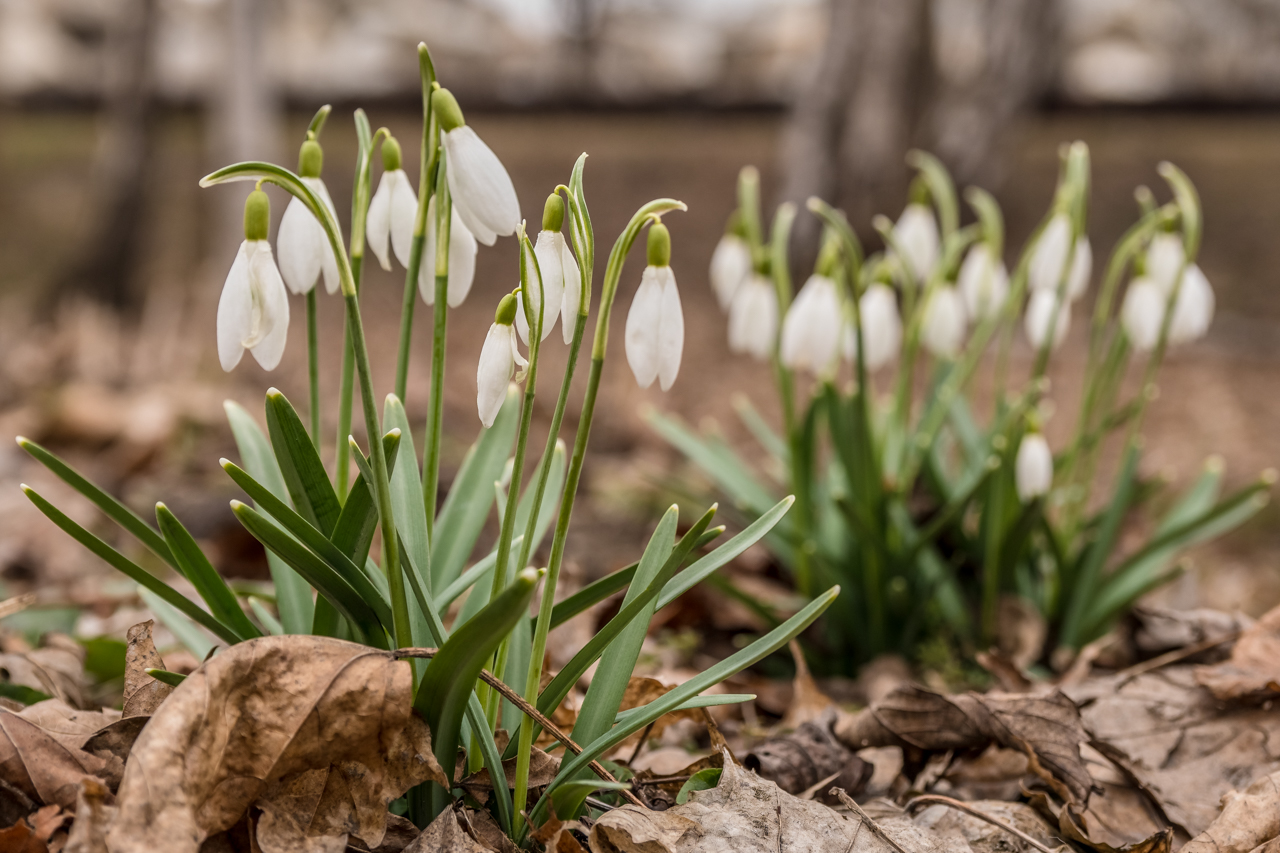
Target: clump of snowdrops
[(484, 670), (933, 517)]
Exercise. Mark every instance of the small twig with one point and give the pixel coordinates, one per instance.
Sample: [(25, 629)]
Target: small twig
[(849, 802), (659, 780), (644, 737), (808, 793), (1176, 655), (934, 799), (17, 604), (516, 699)]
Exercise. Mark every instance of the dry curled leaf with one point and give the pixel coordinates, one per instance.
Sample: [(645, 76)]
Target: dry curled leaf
[(55, 669), (40, 765), (316, 732), (982, 836), (811, 754), (542, 769), (808, 702), (93, 815), (142, 693), (39, 832), (445, 835), (1252, 673), (1249, 819), (1047, 727), (631, 829)]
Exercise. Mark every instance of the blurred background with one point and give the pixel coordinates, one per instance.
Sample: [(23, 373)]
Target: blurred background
[(112, 259)]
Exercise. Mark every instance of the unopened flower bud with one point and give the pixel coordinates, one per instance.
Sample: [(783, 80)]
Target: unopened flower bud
[(257, 215), (390, 154), (659, 252), (447, 112), (310, 159), (1033, 470), (553, 213)]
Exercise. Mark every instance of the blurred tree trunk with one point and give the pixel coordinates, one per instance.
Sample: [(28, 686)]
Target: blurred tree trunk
[(103, 267), (944, 75)]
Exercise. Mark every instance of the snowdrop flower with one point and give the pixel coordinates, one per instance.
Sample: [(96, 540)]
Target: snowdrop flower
[(811, 329), (882, 325), (1040, 314), (753, 318), (943, 326), (253, 311), (1142, 313), (392, 210), (655, 323), (482, 190), (1033, 470), (301, 242), (462, 259), (1193, 311), (558, 270), (983, 282), (1165, 257), (916, 233), (498, 360), (730, 264), (1050, 256)]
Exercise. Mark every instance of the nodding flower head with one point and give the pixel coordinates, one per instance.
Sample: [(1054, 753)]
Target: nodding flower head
[(302, 245), (1049, 257), (983, 282), (1040, 314), (916, 234), (462, 259), (558, 280), (482, 190), (253, 311), (498, 360), (811, 330), (944, 322), (1033, 470), (1165, 259), (392, 210), (655, 324), (1145, 303), (753, 318), (881, 328), (730, 263)]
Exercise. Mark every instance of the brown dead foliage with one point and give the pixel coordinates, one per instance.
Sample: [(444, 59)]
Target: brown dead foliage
[(56, 669), (142, 693), (812, 754), (317, 733), (1252, 673)]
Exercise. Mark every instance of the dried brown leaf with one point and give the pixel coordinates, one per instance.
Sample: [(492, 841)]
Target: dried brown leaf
[(1249, 819), (982, 836), (542, 769), (93, 816), (445, 835), (1252, 673), (808, 702), (36, 833), (318, 733), (801, 759), (39, 765), (142, 693), (56, 669), (485, 829), (631, 829), (67, 725), (112, 744), (1047, 726)]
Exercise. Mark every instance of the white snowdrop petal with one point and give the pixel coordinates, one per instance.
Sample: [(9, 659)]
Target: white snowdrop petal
[(1165, 256), (1040, 313), (942, 332), (983, 282), (1142, 313), (480, 184), (1081, 269), (571, 301), (882, 325), (811, 329), (670, 330), (730, 266), (328, 261), (493, 373), (1033, 469), (235, 311), (642, 332), (269, 288), (916, 233), (403, 212), (753, 318), (377, 226), (1193, 311), (299, 247), (1050, 254), (482, 233), (548, 249), (462, 261)]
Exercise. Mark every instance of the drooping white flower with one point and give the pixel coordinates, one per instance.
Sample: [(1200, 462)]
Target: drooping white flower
[(1040, 314), (1142, 313), (811, 330), (1165, 257), (554, 292), (392, 210), (753, 318), (944, 322), (462, 259), (1193, 311), (730, 266), (983, 282), (1033, 470), (655, 324), (1050, 256), (302, 246), (498, 360), (883, 327), (916, 232), (482, 190), (253, 311)]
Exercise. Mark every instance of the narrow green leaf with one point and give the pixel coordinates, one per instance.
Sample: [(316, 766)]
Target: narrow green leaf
[(730, 472), (463, 515), (187, 632), (770, 441), (203, 576), (293, 594), (135, 572), (303, 472), (353, 533), (726, 668), (265, 618), (317, 572), (173, 679), (703, 780), (115, 510), (712, 700)]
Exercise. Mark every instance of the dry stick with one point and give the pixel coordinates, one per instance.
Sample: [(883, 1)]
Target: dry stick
[(17, 604), (934, 799), (516, 699), (1176, 655), (866, 819)]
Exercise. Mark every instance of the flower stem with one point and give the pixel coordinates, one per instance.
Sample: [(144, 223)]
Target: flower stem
[(313, 366), (346, 391), (440, 326)]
